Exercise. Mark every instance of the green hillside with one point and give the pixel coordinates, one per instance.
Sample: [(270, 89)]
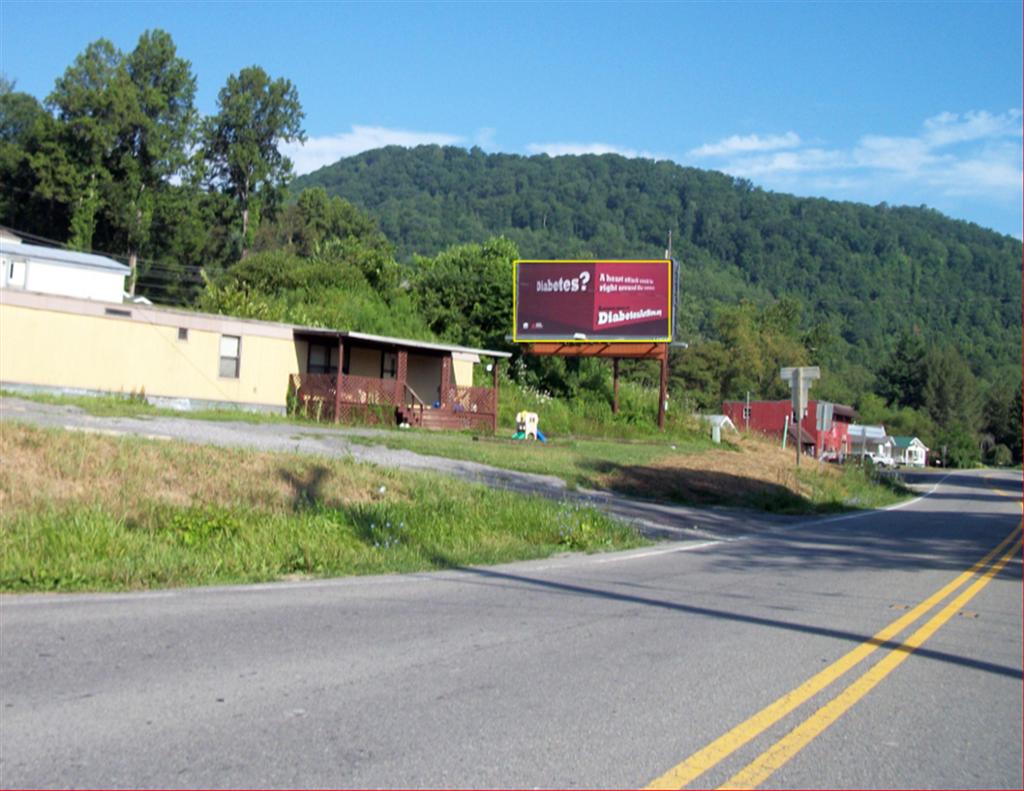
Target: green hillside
[(870, 274)]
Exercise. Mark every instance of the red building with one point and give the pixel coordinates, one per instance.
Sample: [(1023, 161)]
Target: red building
[(823, 430)]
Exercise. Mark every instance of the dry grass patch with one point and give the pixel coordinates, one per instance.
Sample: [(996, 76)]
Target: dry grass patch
[(750, 471), (48, 469)]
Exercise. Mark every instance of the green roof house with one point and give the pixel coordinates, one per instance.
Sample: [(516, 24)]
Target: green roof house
[(910, 451)]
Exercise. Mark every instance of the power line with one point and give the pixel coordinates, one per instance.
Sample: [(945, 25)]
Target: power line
[(151, 263)]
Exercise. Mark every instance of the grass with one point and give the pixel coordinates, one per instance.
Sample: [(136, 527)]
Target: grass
[(576, 460), (746, 471), (132, 405), (87, 512)]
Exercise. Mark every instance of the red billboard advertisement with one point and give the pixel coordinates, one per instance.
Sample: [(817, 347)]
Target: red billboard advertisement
[(579, 301)]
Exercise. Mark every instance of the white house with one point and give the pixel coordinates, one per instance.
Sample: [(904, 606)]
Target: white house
[(51, 270), (910, 451), (873, 440)]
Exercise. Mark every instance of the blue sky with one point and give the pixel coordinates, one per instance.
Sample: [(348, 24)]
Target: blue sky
[(907, 103)]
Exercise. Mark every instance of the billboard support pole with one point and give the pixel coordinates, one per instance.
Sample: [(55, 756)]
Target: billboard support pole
[(615, 385), (494, 389), (663, 390)]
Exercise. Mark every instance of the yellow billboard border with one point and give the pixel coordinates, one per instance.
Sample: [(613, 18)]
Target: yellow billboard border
[(515, 298)]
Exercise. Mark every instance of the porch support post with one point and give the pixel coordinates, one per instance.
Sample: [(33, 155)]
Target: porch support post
[(337, 380), (615, 385), (663, 390), (446, 379), (401, 376), (494, 386)]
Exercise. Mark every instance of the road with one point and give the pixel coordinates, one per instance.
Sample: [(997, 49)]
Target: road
[(866, 651)]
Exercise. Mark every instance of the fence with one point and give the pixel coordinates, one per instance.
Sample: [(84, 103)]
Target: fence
[(366, 399)]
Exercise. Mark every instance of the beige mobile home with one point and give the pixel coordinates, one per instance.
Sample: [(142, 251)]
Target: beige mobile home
[(188, 360)]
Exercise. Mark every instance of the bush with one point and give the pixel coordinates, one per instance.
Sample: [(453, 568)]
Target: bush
[(1000, 456)]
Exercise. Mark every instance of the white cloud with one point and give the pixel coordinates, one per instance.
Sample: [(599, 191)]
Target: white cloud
[(576, 149), (955, 154), (807, 160), (949, 128), (738, 144), (319, 151)]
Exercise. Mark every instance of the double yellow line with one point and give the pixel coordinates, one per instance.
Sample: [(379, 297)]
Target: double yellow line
[(789, 745)]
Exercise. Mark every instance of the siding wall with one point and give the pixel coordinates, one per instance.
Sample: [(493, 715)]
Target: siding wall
[(61, 344), (50, 278)]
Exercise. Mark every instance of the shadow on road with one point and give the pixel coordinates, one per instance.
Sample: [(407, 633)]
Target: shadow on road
[(924, 542), (492, 576)]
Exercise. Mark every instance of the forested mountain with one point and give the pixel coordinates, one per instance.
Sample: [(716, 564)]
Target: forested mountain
[(868, 275)]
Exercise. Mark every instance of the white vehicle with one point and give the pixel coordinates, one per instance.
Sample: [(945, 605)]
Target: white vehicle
[(879, 461)]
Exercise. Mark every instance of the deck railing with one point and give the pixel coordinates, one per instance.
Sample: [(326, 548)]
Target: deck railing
[(377, 401)]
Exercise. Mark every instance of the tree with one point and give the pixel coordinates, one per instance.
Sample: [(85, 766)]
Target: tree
[(953, 399), (255, 114), (126, 124), (901, 379), (91, 104), (153, 145), (951, 393), (465, 292), (1015, 425), (24, 124)]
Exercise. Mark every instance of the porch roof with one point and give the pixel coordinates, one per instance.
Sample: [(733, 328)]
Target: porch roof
[(320, 332)]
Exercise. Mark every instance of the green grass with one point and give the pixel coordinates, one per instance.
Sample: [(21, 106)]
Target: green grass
[(127, 405), (577, 461), (855, 488), (589, 414), (87, 512)]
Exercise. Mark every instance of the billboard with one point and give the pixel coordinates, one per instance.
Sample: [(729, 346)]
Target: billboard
[(580, 301)]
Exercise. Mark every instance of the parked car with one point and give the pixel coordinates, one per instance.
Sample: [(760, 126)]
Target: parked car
[(880, 461)]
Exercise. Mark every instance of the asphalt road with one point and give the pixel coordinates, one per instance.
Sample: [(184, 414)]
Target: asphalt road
[(759, 655)]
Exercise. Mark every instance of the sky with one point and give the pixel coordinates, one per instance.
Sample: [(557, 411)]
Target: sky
[(911, 103)]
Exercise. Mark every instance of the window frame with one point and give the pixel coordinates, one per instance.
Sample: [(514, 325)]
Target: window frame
[(387, 372), (237, 358), (330, 367)]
